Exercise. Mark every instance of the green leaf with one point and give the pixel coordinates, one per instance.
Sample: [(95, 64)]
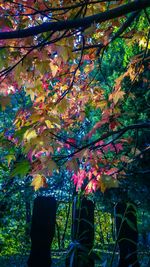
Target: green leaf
[(20, 133), (21, 168), (3, 167)]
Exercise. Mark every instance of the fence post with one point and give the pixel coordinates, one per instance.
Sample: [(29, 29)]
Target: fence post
[(127, 233), (42, 231), (82, 234)]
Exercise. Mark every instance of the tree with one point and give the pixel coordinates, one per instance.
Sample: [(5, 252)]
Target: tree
[(54, 51)]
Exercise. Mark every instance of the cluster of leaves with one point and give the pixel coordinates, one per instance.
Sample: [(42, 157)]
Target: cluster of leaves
[(54, 51)]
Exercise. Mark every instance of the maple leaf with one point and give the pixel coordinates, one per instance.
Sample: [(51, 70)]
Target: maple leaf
[(21, 168), (54, 69), (81, 154), (49, 165), (72, 165), (49, 124), (38, 182), (79, 178), (102, 104), (30, 134), (92, 186), (116, 96)]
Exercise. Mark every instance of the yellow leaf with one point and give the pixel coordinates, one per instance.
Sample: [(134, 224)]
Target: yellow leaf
[(64, 87), (31, 93), (90, 30), (38, 181), (108, 182), (54, 69), (54, 119), (143, 43), (33, 88), (49, 124), (102, 104), (35, 117), (116, 95), (87, 68), (10, 158), (40, 99), (30, 134), (43, 66), (103, 187)]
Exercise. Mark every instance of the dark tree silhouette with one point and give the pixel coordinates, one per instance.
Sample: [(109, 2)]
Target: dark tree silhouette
[(42, 231)]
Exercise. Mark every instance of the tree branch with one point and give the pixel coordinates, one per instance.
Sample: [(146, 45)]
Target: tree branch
[(124, 26), (82, 23), (118, 134)]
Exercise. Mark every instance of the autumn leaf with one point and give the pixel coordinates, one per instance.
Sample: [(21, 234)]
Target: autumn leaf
[(102, 104), (49, 165), (20, 133), (72, 165), (35, 117), (54, 69), (81, 154), (49, 124), (30, 134), (63, 105), (108, 182), (38, 182), (116, 96)]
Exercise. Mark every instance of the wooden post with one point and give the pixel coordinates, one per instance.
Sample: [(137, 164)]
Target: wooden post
[(127, 233), (42, 231), (82, 234)]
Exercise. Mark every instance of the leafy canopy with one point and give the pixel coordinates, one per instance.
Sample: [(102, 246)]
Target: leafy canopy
[(78, 63)]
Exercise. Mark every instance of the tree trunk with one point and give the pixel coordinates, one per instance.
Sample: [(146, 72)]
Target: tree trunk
[(82, 234), (42, 231), (28, 217), (127, 234)]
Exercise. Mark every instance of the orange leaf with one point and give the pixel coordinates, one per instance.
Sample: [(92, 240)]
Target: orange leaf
[(116, 96)]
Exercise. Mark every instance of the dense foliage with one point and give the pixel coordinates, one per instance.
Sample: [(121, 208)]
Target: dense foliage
[(84, 111), (74, 96)]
